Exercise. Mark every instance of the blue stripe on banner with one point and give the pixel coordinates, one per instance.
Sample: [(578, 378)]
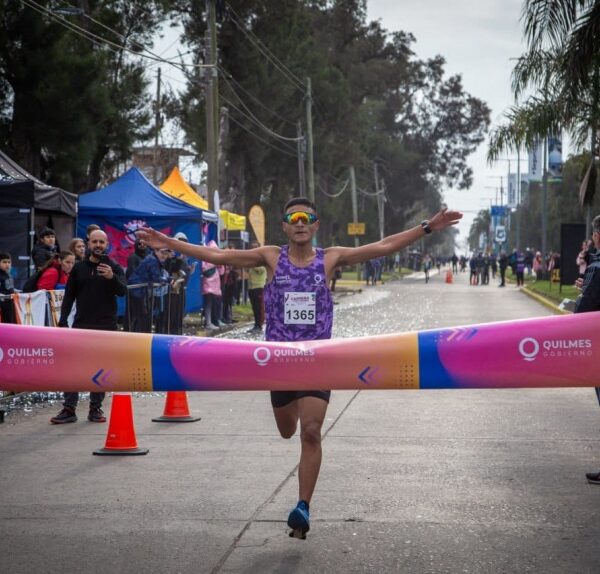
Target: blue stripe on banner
[(432, 374), (164, 376)]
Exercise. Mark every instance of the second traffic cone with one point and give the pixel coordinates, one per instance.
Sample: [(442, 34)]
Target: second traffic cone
[(120, 439), (449, 277), (176, 409)]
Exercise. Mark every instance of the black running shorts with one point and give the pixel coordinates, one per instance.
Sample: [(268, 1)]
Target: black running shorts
[(283, 398)]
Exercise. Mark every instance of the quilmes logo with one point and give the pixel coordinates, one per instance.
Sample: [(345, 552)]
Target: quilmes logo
[(27, 356), (529, 348), (262, 355)]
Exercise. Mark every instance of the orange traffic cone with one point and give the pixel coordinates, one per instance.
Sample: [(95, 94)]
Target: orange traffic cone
[(449, 277), (120, 439), (176, 409)]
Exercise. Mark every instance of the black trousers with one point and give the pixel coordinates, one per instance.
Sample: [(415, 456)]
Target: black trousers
[(71, 399)]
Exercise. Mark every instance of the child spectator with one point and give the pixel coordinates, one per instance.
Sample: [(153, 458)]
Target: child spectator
[(7, 313), (45, 248)]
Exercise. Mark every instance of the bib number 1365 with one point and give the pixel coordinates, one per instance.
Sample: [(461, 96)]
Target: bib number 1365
[(300, 308)]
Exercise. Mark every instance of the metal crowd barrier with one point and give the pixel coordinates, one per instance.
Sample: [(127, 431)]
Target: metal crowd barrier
[(155, 308)]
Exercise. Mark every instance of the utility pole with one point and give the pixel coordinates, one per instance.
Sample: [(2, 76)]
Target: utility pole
[(309, 142), (354, 212), (545, 198), (518, 192), (380, 200), (212, 104), (301, 176), (156, 130)]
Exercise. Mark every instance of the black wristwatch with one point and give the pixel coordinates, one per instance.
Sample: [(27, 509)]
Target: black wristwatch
[(425, 226)]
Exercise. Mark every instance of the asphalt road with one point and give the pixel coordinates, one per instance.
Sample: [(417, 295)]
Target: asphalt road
[(412, 481)]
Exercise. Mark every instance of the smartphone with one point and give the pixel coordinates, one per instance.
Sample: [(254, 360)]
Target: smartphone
[(104, 259)]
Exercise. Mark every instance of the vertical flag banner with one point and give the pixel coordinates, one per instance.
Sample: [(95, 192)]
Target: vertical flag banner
[(536, 161), (512, 190), (555, 163), (256, 215)]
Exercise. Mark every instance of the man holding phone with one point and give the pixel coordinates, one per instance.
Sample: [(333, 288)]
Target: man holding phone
[(94, 285)]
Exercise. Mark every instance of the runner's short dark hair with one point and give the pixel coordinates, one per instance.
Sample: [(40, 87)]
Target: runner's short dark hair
[(299, 201), (4, 255)]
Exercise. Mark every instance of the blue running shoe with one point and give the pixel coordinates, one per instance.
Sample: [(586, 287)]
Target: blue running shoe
[(299, 520)]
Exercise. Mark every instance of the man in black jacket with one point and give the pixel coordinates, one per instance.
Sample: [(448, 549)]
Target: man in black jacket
[(589, 300), (94, 285)]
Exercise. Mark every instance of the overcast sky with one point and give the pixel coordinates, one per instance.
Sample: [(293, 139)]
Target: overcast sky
[(477, 38)]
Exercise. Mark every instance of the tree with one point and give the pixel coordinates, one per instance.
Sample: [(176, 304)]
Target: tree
[(562, 66), (481, 226), (70, 104), (373, 100)]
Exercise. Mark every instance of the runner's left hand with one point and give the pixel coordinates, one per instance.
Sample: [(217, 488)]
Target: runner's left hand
[(444, 218)]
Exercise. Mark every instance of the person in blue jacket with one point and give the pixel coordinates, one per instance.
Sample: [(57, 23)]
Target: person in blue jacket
[(146, 301)]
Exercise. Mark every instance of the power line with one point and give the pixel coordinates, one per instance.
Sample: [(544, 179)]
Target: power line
[(225, 73), (261, 139), (100, 40), (259, 124), (320, 187), (264, 50)]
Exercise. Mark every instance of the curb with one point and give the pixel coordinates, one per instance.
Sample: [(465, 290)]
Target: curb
[(545, 302)]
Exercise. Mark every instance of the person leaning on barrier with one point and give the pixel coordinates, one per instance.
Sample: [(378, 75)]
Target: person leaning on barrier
[(94, 285), (589, 300), (140, 252), (181, 269), (149, 272), (55, 274), (7, 288)]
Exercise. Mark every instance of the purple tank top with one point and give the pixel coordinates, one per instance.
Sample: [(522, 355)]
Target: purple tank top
[(298, 303)]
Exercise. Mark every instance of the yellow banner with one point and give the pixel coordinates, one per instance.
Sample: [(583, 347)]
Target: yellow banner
[(256, 215), (232, 221)]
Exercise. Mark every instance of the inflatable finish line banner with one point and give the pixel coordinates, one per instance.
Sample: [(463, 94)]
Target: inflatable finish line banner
[(562, 351)]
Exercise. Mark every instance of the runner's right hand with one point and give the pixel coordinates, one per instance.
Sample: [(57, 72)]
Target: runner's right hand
[(153, 238)]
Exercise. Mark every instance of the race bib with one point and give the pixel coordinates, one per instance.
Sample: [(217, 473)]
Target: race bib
[(300, 308)]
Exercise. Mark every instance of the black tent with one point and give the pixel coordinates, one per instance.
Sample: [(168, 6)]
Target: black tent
[(16, 217), (28, 204), (47, 199)]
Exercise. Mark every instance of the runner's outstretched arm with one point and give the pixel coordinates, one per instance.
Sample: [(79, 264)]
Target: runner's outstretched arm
[(237, 257), (392, 243)]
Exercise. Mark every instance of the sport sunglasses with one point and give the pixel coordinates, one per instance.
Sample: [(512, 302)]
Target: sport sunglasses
[(303, 216)]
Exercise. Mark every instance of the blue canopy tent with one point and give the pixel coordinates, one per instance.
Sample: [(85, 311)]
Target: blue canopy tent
[(132, 202)]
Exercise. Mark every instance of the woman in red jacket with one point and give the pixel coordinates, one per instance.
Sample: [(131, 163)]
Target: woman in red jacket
[(56, 271)]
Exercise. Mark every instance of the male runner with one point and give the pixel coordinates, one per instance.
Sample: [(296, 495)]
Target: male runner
[(299, 307)]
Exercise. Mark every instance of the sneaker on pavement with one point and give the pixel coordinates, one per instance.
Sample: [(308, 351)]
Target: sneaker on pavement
[(65, 416), (593, 477), (299, 518), (96, 416)]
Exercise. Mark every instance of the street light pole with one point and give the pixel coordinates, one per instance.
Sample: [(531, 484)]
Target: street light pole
[(545, 199)]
